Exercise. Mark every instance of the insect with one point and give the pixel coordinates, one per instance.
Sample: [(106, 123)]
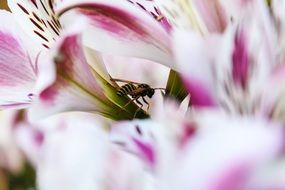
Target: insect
[(136, 90)]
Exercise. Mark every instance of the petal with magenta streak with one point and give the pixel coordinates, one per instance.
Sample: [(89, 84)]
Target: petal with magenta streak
[(66, 82), (121, 29), (17, 64)]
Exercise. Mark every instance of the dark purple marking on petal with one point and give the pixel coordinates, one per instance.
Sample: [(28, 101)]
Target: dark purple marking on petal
[(200, 95), (23, 9), (147, 151), (138, 130), (36, 24), (141, 6), (37, 17), (240, 60), (31, 96), (53, 28), (44, 23), (56, 21), (43, 5), (110, 18), (34, 2), (46, 46), (50, 3), (41, 36)]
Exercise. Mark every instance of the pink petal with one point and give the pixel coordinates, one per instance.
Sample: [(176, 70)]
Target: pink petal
[(122, 29), (200, 94), (17, 64), (235, 178), (151, 8), (212, 14), (66, 83), (240, 60), (195, 62), (224, 154), (147, 151), (136, 137)]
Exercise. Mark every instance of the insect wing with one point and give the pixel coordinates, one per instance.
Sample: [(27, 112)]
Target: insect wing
[(138, 91)]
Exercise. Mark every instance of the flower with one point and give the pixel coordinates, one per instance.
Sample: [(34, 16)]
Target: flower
[(74, 152), (134, 33), (130, 29), (207, 150), (49, 74), (235, 77), (229, 53), (62, 87)]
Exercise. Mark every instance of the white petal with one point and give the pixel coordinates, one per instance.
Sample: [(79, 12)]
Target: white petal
[(121, 29), (18, 62), (37, 19)]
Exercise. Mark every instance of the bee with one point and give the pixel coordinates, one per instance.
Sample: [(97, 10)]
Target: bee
[(136, 90)]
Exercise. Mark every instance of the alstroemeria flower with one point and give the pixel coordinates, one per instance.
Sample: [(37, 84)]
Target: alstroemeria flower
[(208, 151), (198, 15), (140, 31), (74, 152), (236, 76), (68, 83), (121, 28), (24, 39), (70, 76)]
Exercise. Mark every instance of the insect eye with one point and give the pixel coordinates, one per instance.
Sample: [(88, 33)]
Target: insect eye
[(150, 93)]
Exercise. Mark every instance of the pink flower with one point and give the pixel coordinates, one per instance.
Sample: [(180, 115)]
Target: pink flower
[(74, 152), (60, 73), (206, 150)]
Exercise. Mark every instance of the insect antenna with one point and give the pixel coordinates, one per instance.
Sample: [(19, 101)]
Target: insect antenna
[(122, 80), (159, 88)]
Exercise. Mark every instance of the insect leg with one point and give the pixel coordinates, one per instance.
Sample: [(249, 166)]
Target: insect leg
[(137, 101), (132, 100), (145, 102), (141, 105)]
